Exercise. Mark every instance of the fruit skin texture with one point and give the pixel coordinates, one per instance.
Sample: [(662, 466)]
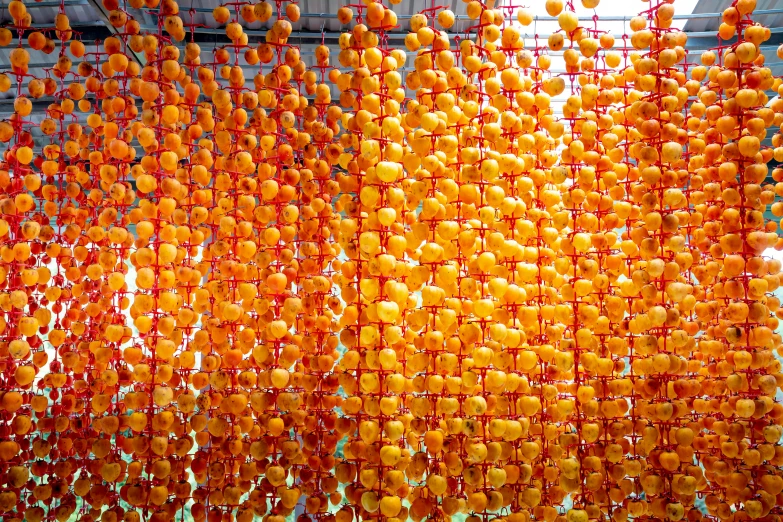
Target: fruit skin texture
[(417, 282)]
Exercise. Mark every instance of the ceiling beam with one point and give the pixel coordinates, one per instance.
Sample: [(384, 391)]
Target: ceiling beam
[(100, 11), (536, 18)]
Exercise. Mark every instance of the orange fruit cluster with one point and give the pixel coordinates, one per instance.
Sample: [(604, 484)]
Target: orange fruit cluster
[(450, 279)]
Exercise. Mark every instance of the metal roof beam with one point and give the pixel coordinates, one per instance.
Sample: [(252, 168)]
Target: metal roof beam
[(219, 31), (100, 11), (536, 18), (42, 5)]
